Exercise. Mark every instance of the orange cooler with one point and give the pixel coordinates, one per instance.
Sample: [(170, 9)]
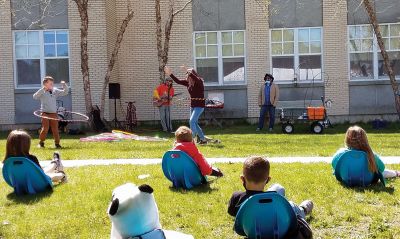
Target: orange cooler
[(316, 113)]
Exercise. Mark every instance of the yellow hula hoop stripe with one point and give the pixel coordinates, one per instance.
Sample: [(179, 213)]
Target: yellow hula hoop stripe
[(38, 113)]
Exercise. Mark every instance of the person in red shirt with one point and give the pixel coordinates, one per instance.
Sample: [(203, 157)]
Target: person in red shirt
[(163, 95), (184, 142)]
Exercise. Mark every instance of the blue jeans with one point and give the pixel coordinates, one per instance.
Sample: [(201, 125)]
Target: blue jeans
[(271, 111), (194, 122), (281, 191)]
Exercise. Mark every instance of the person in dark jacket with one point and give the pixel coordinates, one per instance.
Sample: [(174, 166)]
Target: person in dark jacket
[(195, 86)]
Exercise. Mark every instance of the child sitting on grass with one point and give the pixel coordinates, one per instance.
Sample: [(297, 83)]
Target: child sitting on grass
[(184, 142), (18, 145), (255, 177), (356, 139)]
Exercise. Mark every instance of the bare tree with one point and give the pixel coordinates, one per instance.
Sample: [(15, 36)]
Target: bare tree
[(163, 50), (114, 55), (386, 61)]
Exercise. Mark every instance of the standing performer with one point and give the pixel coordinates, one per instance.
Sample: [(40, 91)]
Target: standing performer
[(268, 99), (162, 99), (195, 86), (48, 95)]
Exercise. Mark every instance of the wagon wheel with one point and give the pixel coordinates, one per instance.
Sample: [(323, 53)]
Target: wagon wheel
[(317, 128), (287, 128)]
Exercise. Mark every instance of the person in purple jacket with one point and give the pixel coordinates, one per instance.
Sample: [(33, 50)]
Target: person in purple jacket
[(195, 87)]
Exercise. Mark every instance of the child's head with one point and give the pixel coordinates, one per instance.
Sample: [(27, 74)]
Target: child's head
[(183, 134), (48, 82), (18, 144), (268, 77), (255, 172), (356, 138)]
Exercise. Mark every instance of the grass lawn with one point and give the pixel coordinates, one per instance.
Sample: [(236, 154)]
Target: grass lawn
[(78, 208), (237, 141)]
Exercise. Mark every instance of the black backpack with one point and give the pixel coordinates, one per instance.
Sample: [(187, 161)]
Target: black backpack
[(98, 123)]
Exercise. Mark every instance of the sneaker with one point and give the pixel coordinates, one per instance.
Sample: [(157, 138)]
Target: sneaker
[(58, 146), (202, 142), (41, 145), (64, 179), (57, 161), (258, 130), (307, 206)]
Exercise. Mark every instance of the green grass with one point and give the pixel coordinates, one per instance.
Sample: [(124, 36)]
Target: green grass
[(78, 208), (237, 141)]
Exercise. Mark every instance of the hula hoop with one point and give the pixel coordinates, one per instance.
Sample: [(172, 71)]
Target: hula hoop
[(115, 131), (38, 113)]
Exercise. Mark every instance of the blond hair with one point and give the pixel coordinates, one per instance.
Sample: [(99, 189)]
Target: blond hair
[(356, 138), (47, 79), (183, 134)]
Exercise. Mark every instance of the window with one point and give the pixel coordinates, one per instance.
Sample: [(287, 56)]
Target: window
[(220, 56), (365, 58), (40, 53), (297, 52), (387, 11)]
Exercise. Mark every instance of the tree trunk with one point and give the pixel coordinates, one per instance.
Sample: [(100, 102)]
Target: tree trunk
[(386, 61), (168, 28), (160, 52), (113, 59)]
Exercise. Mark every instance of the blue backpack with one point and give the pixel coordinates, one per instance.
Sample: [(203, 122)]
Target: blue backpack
[(266, 215), (352, 170), (181, 170), (25, 176)]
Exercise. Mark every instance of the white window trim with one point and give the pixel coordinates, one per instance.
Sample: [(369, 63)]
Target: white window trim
[(375, 53), (220, 58), (297, 55), (42, 58)]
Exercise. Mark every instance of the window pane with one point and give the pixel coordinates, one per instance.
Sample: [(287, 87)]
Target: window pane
[(62, 50), (365, 31), (227, 50), (395, 30), (394, 63), (276, 35), (366, 45), (208, 69), (303, 35), (62, 37), (33, 37), (283, 68), (315, 34), (28, 72), (226, 37), (58, 69), (361, 65), (304, 47), (355, 45), (49, 37), (384, 30), (33, 51), (239, 50), (233, 69), (395, 43), (288, 48), (50, 50), (352, 32), (200, 38), (212, 51), (288, 35), (20, 38), (315, 47), (21, 51), (276, 49), (238, 37), (310, 67), (211, 38), (200, 51)]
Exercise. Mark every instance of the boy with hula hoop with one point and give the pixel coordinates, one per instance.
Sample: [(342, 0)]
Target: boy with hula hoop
[(48, 95)]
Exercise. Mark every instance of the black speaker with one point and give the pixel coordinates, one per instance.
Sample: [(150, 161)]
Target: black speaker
[(114, 91)]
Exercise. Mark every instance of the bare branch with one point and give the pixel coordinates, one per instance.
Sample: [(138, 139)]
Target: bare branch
[(183, 8)]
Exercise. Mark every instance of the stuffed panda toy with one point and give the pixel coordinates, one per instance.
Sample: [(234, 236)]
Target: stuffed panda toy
[(134, 215)]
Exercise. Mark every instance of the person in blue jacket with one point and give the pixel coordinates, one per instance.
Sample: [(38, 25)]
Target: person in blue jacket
[(356, 139)]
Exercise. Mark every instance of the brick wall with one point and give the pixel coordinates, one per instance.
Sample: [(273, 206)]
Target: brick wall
[(257, 38), (336, 56), (7, 109)]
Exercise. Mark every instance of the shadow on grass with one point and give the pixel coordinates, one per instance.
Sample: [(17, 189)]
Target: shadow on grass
[(204, 188), (29, 199), (376, 188)]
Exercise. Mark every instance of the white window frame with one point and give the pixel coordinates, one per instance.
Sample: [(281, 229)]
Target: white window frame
[(296, 54), (42, 57), (220, 58), (375, 53)]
